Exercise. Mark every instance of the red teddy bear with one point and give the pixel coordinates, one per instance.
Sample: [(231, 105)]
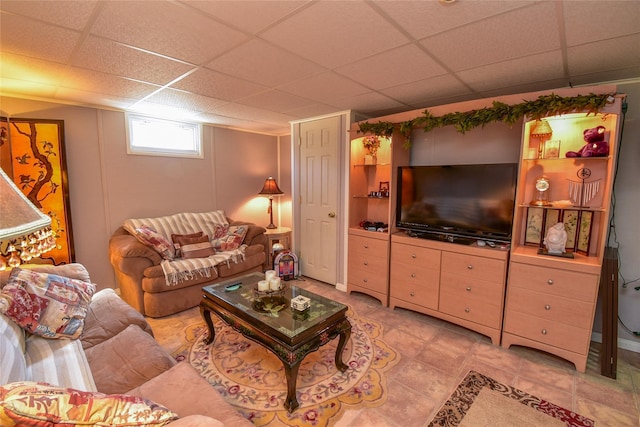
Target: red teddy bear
[(596, 146)]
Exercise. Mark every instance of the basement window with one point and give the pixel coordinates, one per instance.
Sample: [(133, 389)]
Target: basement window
[(160, 137)]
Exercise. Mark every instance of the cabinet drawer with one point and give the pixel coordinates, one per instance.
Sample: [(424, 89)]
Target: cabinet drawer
[(363, 245), (371, 278), (413, 256), (465, 288), (550, 307), (547, 331), (491, 270), (425, 294), (569, 284), (470, 309)]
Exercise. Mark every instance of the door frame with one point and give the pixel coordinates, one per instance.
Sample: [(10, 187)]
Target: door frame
[(346, 118)]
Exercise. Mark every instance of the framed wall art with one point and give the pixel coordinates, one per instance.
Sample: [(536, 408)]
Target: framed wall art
[(551, 149), (584, 232), (570, 219), (32, 154), (533, 234)]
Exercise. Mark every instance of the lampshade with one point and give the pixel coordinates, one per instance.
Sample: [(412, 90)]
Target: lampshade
[(270, 187), (541, 129), (25, 232)]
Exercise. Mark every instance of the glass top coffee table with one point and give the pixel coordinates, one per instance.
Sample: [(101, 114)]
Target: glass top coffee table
[(289, 334)]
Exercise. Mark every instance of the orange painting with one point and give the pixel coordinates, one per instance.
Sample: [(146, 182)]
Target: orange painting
[(32, 153)]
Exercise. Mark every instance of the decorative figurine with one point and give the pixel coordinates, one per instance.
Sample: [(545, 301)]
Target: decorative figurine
[(556, 239), (595, 146)]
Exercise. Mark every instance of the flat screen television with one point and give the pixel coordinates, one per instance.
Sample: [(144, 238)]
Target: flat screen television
[(473, 201)]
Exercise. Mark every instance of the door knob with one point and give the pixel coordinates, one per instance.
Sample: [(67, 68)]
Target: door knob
[(332, 214)]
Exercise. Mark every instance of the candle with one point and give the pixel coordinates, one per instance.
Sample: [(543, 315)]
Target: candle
[(263, 285), (270, 274), (274, 283)]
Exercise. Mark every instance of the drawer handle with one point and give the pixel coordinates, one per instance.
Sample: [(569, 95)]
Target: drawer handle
[(467, 309), (365, 280), (468, 288), (366, 246), (412, 294), (413, 255), (547, 307), (366, 263), (470, 267), (550, 281), (544, 332), (413, 275)]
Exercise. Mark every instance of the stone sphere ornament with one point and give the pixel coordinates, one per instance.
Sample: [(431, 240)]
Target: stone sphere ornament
[(556, 239)]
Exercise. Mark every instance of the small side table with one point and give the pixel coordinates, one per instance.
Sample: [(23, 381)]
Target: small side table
[(280, 235)]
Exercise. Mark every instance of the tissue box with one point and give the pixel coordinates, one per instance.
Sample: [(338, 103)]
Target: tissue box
[(300, 303)]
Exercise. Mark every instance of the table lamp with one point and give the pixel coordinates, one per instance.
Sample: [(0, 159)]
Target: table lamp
[(270, 189)]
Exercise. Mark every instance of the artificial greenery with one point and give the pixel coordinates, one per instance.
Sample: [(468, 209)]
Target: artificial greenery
[(543, 106)]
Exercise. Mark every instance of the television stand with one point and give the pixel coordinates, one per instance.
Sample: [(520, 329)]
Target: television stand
[(444, 237)]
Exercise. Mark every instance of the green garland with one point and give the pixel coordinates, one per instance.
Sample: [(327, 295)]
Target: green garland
[(545, 105)]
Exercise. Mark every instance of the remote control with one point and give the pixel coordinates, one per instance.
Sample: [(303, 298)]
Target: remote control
[(232, 286)]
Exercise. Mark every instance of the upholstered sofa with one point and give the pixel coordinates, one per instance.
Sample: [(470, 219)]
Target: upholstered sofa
[(115, 358), (158, 282)]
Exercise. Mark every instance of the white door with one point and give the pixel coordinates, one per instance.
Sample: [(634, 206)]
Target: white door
[(319, 198)]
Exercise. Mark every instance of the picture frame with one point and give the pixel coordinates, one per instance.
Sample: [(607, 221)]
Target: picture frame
[(551, 149), (552, 217), (33, 155), (384, 186), (584, 232), (570, 219), (533, 233)]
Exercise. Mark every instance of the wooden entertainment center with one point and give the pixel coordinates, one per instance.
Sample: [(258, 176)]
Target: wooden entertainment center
[(515, 294)]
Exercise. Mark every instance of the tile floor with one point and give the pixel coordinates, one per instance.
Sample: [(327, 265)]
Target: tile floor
[(435, 356)]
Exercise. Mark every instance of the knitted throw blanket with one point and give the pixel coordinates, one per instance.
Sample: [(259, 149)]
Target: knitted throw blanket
[(179, 270)]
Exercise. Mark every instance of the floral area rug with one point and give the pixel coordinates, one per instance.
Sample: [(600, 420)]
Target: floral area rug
[(482, 401), (252, 378)]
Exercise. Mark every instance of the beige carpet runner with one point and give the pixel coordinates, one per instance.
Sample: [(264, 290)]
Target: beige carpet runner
[(252, 378), (482, 401)]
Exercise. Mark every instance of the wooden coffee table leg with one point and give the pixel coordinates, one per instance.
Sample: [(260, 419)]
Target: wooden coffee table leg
[(206, 315), (291, 372), (345, 334)]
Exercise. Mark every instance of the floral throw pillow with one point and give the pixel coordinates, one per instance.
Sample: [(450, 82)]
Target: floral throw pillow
[(27, 403), (150, 237), (232, 240), (45, 304)]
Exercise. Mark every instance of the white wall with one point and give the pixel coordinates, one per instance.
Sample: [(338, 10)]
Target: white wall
[(107, 186)]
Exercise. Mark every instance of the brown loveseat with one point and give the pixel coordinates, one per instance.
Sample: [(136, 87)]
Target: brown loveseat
[(116, 354), (139, 268)]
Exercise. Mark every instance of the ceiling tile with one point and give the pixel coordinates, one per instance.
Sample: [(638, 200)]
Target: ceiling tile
[(540, 67), (102, 83), (114, 58), (313, 110), (244, 111), (262, 63), (256, 15), (70, 14), (334, 33), (41, 41), (510, 35), (166, 28), (624, 52), (324, 87), (426, 18), (610, 19), (216, 85), (187, 100), (381, 71), (275, 100), (367, 102), (421, 92), (30, 69), (27, 88), (90, 98)]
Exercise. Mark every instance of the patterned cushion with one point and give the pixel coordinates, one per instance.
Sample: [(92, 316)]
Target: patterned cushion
[(150, 237), (13, 365), (179, 239), (44, 304), (232, 240), (32, 403), (197, 247)]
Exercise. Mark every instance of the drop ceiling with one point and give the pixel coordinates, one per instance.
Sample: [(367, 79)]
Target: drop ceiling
[(258, 65)]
